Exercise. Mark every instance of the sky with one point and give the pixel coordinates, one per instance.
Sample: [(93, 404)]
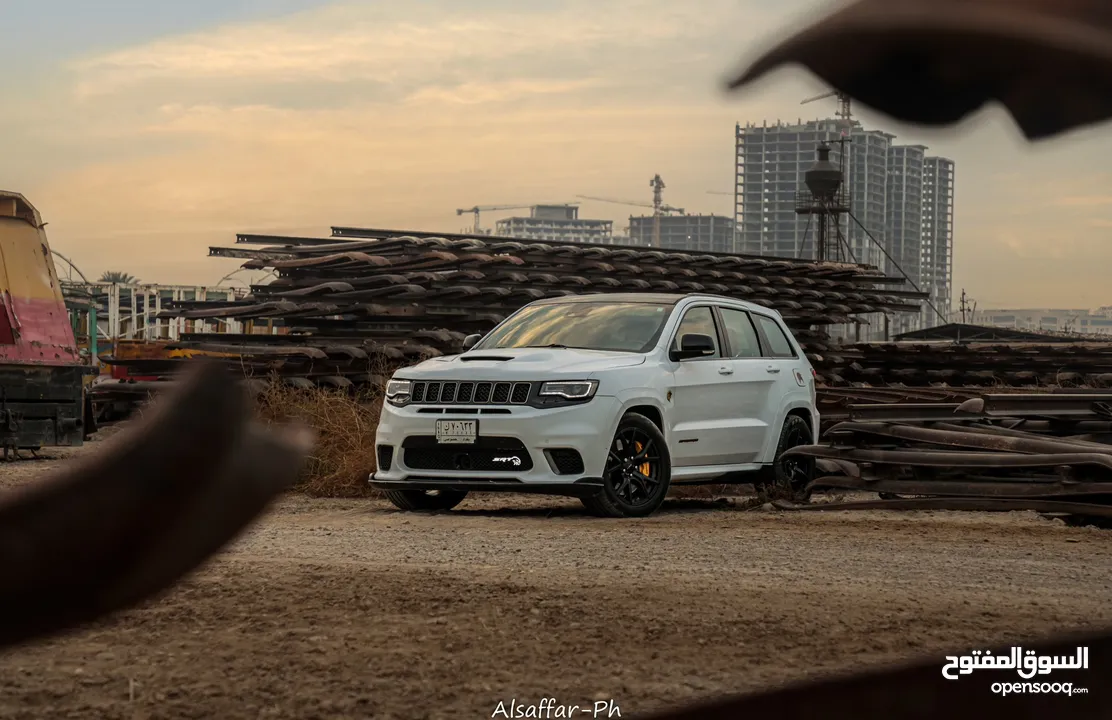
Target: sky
[(146, 131)]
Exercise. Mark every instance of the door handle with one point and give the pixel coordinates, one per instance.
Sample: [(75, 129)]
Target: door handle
[(773, 369), (725, 371)]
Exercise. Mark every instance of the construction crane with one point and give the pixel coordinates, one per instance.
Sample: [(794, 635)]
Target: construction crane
[(486, 208), (664, 209), (844, 108), (720, 192), (493, 208), (658, 207)]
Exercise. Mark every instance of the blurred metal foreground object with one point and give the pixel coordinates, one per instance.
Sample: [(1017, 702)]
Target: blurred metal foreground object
[(934, 62), (113, 529), (920, 692)]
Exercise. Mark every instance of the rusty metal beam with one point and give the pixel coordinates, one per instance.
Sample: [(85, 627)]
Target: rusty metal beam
[(969, 504), (1026, 489), (952, 459), (1059, 405), (991, 441)]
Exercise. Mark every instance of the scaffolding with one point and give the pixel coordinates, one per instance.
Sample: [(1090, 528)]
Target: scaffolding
[(131, 312)]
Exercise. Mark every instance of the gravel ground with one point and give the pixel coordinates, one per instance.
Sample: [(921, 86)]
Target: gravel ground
[(347, 609)]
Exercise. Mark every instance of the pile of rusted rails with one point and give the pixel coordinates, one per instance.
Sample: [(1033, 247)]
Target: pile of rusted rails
[(370, 289), (335, 354), (355, 309), (346, 351), (116, 399), (501, 275), (838, 404), (1082, 364), (911, 404), (1049, 452)]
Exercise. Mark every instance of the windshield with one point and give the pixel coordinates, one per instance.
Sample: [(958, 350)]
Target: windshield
[(621, 327)]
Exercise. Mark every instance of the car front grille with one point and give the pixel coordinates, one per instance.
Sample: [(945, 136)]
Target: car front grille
[(470, 393), (488, 454)]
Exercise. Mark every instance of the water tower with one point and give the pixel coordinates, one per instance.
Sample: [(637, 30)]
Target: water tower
[(825, 199)]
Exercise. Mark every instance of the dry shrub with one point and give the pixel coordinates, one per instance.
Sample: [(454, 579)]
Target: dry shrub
[(344, 456)]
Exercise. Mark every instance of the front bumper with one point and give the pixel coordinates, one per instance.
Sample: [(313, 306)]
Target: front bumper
[(584, 487), (537, 435)]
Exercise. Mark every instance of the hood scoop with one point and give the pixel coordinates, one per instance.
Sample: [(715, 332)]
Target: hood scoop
[(487, 358)]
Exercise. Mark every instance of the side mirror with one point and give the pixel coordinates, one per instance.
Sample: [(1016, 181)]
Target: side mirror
[(470, 340), (693, 345)]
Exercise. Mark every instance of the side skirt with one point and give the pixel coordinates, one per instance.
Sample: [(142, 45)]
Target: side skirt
[(719, 474)]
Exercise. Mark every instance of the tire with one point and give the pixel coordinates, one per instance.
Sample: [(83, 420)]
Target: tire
[(790, 477), (633, 490), (425, 500)]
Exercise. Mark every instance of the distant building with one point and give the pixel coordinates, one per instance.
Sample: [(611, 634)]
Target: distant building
[(901, 196), (1083, 321), (692, 233), (905, 223), (560, 223), (771, 162), (937, 248)]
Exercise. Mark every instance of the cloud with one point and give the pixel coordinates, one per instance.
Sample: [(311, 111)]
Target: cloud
[(425, 63), (395, 114), (417, 44), (384, 114)]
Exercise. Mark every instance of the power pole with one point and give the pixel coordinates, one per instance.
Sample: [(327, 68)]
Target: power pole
[(658, 201)]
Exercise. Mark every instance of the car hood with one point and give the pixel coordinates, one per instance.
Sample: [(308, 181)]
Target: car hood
[(521, 364)]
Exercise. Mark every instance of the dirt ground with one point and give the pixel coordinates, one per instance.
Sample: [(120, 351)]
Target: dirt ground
[(347, 609)]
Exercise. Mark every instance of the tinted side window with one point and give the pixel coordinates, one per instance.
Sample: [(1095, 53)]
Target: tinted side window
[(699, 321), (779, 346), (740, 333)]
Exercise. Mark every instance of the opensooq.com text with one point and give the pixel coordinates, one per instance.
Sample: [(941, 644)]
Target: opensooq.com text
[(1028, 688)]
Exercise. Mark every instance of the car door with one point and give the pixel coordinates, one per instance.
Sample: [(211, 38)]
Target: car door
[(753, 402), (783, 362), (699, 421)]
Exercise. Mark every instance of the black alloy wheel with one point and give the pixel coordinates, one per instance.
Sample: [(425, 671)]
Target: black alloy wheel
[(793, 475), (638, 471)]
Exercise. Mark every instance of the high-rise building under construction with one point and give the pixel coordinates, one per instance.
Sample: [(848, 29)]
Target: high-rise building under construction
[(897, 194), (937, 269)]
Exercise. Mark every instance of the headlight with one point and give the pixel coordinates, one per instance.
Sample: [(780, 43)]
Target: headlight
[(570, 389), (398, 390)]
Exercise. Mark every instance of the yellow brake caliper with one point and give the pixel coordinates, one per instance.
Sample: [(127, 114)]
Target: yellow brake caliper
[(644, 468)]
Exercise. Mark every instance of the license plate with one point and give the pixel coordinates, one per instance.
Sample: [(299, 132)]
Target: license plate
[(457, 432)]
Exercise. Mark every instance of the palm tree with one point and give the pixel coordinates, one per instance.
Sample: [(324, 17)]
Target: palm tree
[(118, 277)]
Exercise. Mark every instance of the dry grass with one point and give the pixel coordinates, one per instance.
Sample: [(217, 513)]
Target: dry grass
[(345, 425)]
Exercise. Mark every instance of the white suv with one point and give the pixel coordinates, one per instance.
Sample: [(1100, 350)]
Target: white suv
[(610, 398)]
